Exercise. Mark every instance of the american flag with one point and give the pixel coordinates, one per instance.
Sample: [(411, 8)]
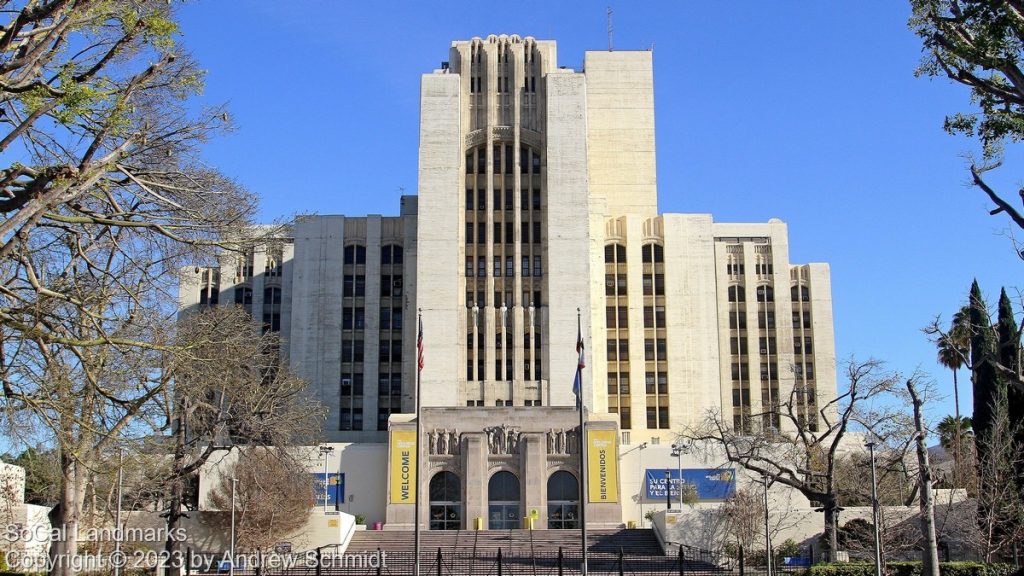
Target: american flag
[(419, 346)]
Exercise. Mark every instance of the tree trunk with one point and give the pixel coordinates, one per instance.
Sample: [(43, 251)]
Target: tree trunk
[(65, 518), (930, 554), (956, 433), (172, 547), (832, 526)]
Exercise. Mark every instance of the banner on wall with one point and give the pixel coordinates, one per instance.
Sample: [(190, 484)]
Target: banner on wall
[(335, 489), (711, 484), (602, 466), (403, 467)]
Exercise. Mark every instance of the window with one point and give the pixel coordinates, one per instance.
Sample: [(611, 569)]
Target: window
[(385, 318), (469, 198), (469, 233), (497, 232), (537, 269), (392, 253), (612, 351), (766, 320), (503, 499), (481, 234), (497, 266), (481, 266), (481, 200), (653, 253), (391, 285), (659, 284), (352, 420), (536, 232), (738, 320), (648, 349), (662, 383), (535, 199), (355, 254), (563, 501), (510, 267), (352, 351), (737, 345), (625, 422), (526, 266), (509, 237), (353, 318), (446, 500), (469, 269), (535, 158), (524, 232), (737, 294), (765, 294), (740, 371)]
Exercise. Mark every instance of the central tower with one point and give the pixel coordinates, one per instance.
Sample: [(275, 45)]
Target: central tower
[(503, 217)]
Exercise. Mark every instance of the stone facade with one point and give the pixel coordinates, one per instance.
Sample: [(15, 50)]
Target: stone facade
[(536, 216)]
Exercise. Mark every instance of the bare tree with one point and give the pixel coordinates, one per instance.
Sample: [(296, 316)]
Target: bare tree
[(272, 496), (229, 390), (103, 198), (804, 452), (930, 554)]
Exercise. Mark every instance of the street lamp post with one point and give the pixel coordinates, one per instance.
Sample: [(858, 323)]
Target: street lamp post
[(640, 490), (231, 565), (874, 510), (668, 489), (678, 449), (325, 452), (767, 535)]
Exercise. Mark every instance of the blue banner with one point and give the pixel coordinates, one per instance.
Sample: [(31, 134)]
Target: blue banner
[(335, 492), (711, 484)]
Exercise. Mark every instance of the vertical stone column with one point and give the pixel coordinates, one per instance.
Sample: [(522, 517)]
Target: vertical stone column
[(474, 465), (533, 453)]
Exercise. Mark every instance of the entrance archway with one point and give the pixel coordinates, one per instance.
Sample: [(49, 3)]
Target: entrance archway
[(563, 501), (503, 498), (445, 502)]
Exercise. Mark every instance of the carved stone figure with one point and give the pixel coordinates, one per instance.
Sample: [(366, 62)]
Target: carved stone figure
[(492, 447), (551, 441), (442, 442), (432, 442), (560, 442), (453, 441)]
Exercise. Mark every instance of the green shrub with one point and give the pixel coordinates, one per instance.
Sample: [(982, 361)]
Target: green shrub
[(3, 561), (912, 569)]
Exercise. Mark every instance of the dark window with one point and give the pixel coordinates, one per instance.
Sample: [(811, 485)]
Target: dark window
[(536, 232), (737, 294), (355, 254)]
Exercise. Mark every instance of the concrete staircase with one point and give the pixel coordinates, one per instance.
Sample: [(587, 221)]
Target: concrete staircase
[(510, 542)]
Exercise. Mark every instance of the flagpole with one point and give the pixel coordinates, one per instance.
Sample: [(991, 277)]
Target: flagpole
[(582, 409), (416, 501)]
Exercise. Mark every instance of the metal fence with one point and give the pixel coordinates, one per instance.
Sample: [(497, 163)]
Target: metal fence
[(485, 563)]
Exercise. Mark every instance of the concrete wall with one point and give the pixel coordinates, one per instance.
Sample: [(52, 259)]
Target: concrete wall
[(620, 130)]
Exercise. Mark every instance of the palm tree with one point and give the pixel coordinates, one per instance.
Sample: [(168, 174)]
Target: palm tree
[(949, 431), (953, 349)]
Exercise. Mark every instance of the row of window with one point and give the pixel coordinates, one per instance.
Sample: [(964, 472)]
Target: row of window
[(355, 318), (481, 268), (528, 199), (356, 254), (654, 383), (654, 348), (524, 233), (650, 253), (476, 160), (736, 293), (617, 316)]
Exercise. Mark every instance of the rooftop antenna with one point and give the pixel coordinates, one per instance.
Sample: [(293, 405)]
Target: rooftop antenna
[(609, 28)]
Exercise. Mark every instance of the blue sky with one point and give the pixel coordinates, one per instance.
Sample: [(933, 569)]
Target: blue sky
[(809, 112)]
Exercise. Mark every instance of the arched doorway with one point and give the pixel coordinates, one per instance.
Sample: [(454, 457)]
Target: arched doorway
[(503, 499), (445, 502), (563, 501)]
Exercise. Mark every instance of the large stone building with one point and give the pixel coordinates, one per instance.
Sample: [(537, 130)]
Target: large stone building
[(537, 198)]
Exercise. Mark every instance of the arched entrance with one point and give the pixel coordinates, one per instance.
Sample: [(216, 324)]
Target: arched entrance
[(563, 501), (445, 502), (503, 499)]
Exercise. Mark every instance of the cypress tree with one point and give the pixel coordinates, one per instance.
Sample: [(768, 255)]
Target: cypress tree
[(984, 377), (1009, 356)]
